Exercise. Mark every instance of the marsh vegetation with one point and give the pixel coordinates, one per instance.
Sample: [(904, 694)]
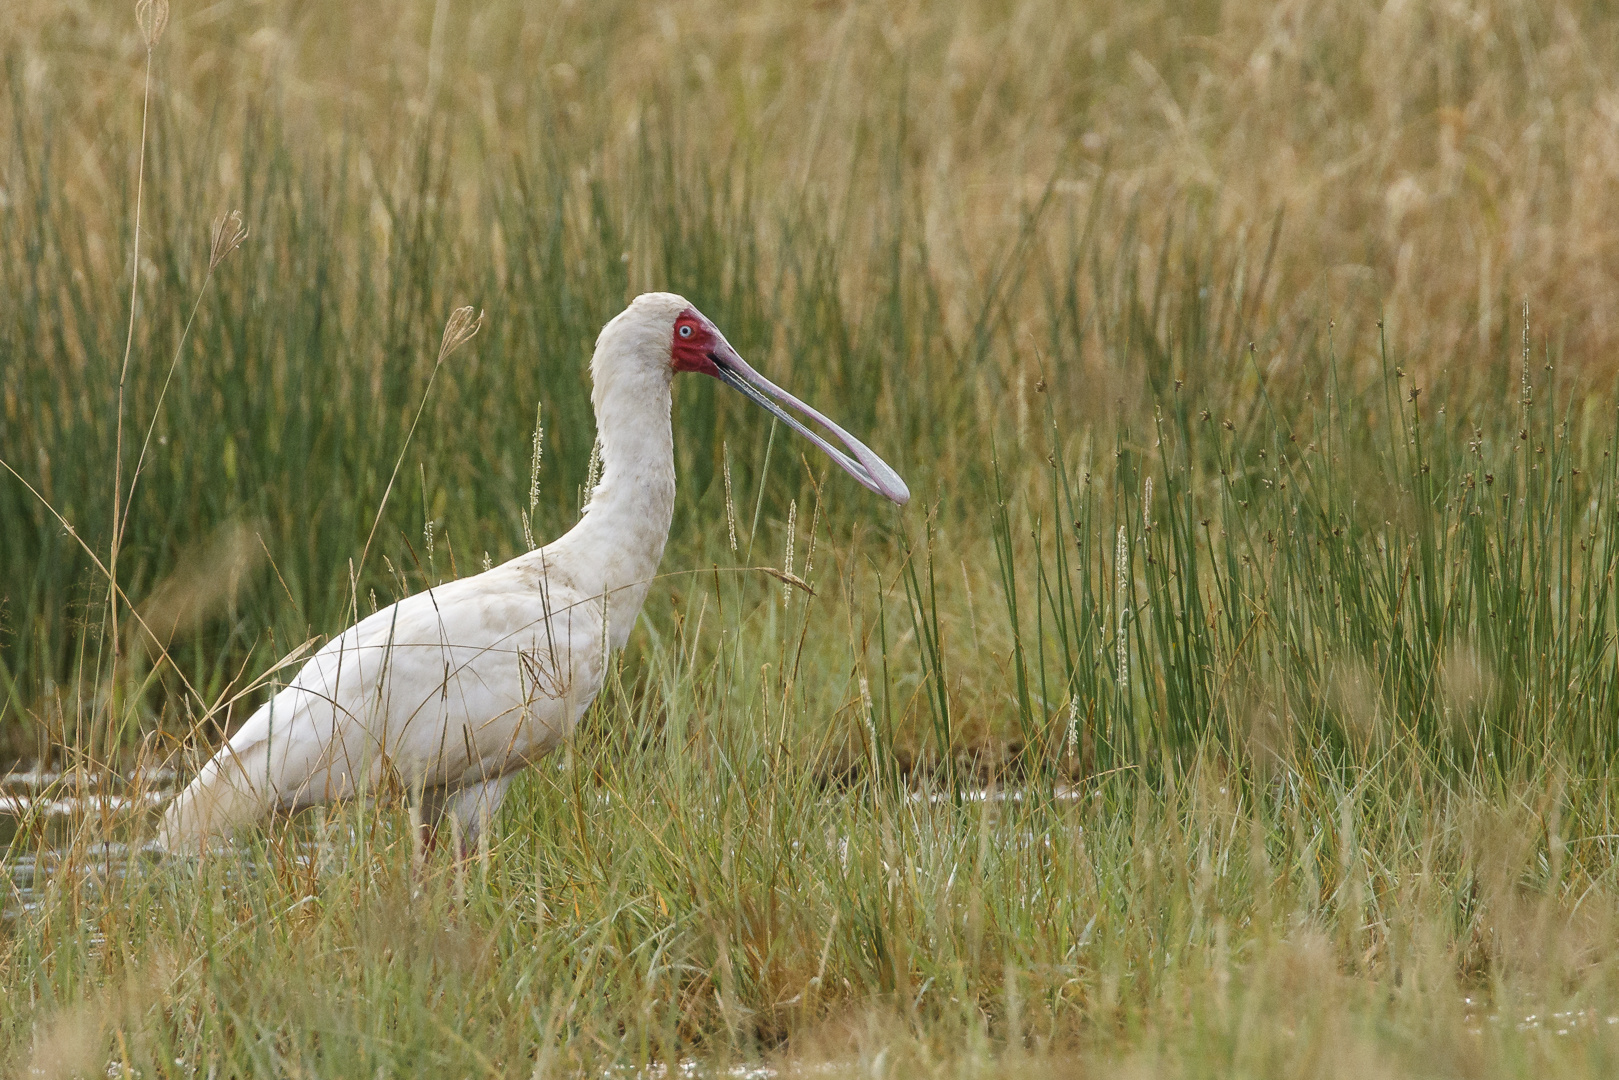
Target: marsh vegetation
[(1237, 696)]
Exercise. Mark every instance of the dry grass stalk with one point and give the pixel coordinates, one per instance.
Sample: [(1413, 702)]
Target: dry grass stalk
[(458, 330), (815, 525), (787, 578)]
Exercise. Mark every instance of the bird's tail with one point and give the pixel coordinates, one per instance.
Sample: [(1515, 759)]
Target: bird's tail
[(232, 789)]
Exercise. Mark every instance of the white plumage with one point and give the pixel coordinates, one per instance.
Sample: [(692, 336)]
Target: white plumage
[(451, 691)]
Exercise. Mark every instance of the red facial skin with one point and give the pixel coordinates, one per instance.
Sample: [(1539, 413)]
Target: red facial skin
[(693, 340)]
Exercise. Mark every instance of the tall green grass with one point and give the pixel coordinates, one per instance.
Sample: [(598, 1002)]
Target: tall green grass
[(1310, 516), (1391, 568), (310, 355)]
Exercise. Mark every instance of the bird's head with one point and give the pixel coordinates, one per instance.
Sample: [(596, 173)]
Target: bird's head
[(692, 343)]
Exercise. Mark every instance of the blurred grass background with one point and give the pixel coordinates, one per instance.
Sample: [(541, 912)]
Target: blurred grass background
[(1252, 368)]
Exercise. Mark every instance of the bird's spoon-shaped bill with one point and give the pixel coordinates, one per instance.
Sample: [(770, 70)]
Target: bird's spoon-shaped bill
[(865, 466)]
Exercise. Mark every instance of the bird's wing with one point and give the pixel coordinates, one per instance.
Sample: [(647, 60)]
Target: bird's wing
[(464, 682)]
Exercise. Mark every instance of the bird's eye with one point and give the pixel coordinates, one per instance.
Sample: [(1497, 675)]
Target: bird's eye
[(685, 331)]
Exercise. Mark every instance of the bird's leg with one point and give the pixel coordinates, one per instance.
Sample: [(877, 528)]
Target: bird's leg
[(472, 809), (417, 843), (427, 810), (459, 869)]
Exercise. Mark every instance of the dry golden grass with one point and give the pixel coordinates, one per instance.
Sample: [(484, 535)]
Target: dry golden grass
[(1435, 162)]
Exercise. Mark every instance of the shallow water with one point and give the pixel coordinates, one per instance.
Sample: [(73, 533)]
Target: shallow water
[(42, 818)]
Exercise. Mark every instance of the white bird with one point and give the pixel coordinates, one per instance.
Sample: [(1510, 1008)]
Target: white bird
[(450, 692)]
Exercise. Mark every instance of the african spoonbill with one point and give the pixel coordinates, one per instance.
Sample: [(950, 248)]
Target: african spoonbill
[(455, 689)]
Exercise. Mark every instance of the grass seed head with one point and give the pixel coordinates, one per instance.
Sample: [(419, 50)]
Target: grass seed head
[(787, 560), (1073, 728), (730, 505), (593, 470), (458, 330), (868, 712), (152, 16), (537, 455), (1121, 560), (228, 234), (537, 452)]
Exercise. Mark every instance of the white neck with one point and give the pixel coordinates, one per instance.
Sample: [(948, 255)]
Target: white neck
[(615, 549)]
